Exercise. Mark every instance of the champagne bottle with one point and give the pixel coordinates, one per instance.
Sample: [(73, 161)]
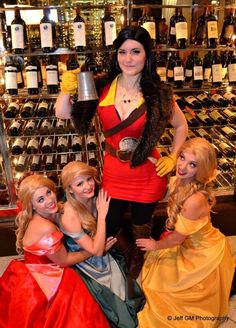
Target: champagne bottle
[(47, 146), (49, 162), (12, 110), (230, 115), (212, 30), (18, 33), (92, 160), (35, 163), (148, 22), (228, 29), (32, 146), (189, 68), (52, 74), (43, 109), (219, 101), (11, 76), (229, 132), (200, 35), (205, 100), (161, 66), (72, 63), (192, 102), (205, 119), (232, 69), (197, 71), (76, 143), (18, 146), (91, 142), (62, 145), (172, 30), (15, 128), (217, 117), (47, 32), (207, 63), (79, 32), (28, 109), (30, 127), (108, 28), (216, 70), (32, 76), (191, 119), (181, 28), (178, 71)]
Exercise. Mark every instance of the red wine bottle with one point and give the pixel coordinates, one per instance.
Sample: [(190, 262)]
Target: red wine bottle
[(79, 32), (216, 70), (11, 76), (200, 35), (72, 63), (18, 33), (15, 128), (32, 76), (47, 32), (18, 146), (212, 30), (181, 28), (207, 64), (172, 29), (32, 146), (189, 68), (161, 66), (178, 71), (52, 74), (108, 28), (12, 110), (35, 163), (232, 69), (197, 71), (148, 22), (22, 163), (228, 29)]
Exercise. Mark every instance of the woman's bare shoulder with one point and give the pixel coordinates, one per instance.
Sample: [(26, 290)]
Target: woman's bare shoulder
[(196, 206)]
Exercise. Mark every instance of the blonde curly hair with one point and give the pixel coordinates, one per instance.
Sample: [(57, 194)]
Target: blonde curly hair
[(69, 173), (202, 181), (25, 194)]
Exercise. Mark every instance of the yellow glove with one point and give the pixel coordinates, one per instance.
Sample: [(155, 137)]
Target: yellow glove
[(165, 164), (69, 81)]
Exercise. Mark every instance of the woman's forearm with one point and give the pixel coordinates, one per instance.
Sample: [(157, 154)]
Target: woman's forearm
[(63, 106)]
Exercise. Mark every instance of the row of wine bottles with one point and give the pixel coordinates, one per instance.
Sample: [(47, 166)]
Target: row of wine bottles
[(215, 68), (16, 39)]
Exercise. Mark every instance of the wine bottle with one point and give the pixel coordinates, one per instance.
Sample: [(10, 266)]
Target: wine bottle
[(63, 160), (32, 76), (47, 32), (227, 150), (47, 145), (224, 61), (192, 121), (189, 68), (79, 32), (163, 31), (42, 110), (178, 71), (230, 115), (102, 141), (60, 127), (148, 22), (52, 74), (207, 63), (4, 40), (200, 35), (181, 28), (15, 128), (35, 163), (72, 63), (197, 71), (229, 132), (11, 76), (161, 66), (62, 145), (32, 146), (49, 163), (180, 101), (46, 127), (205, 119), (91, 63), (18, 146), (18, 33), (91, 142), (216, 70), (192, 102), (165, 139), (22, 162), (28, 109), (54, 177), (30, 127), (217, 117), (108, 28), (172, 30), (92, 160), (232, 69), (170, 67), (19, 63), (228, 29), (212, 30), (225, 164), (12, 110), (39, 72), (76, 144), (230, 97), (219, 101), (191, 134), (203, 134), (205, 100)]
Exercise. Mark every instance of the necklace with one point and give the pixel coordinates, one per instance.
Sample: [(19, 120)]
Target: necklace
[(125, 99)]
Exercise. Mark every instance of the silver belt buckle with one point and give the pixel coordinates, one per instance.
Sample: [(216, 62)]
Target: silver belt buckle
[(128, 144)]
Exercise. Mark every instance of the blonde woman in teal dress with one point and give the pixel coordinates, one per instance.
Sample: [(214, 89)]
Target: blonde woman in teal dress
[(187, 275)]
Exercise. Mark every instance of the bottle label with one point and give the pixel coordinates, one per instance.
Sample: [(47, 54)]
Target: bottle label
[(33, 143), (79, 34), (223, 145), (22, 160), (76, 140), (151, 28), (78, 157), (161, 71), (91, 155), (215, 115), (178, 73), (49, 159), (212, 30), (170, 73), (60, 124), (47, 142), (207, 73), (43, 104), (14, 105), (201, 96), (17, 36), (36, 160), (52, 77), (64, 159), (46, 35), (201, 132), (16, 125), (46, 125), (11, 80), (32, 79), (217, 72), (224, 72), (203, 116), (216, 97), (188, 72), (181, 30), (110, 32), (30, 125), (172, 31), (227, 130), (228, 95), (232, 72), (62, 141), (228, 113), (190, 99), (197, 73), (91, 139), (19, 142), (29, 104), (229, 31)]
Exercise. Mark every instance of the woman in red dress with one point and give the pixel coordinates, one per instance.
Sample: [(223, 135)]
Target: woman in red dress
[(39, 291)]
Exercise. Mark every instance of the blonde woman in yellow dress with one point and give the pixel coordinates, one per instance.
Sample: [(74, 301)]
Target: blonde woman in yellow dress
[(187, 275)]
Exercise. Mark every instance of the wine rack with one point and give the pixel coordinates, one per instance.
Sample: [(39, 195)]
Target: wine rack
[(46, 143)]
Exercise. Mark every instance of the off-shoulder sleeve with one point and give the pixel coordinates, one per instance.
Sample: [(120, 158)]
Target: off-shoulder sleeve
[(48, 244), (187, 227)]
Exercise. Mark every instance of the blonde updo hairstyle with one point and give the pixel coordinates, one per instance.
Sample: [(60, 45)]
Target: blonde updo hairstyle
[(25, 194), (206, 173), (71, 171)]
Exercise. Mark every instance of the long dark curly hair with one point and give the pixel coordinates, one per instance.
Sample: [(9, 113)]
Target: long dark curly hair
[(158, 97)]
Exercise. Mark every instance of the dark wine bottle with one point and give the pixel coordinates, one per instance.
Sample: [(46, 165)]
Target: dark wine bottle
[(191, 119), (207, 63), (229, 132), (62, 160), (91, 142), (200, 35), (231, 97), (32, 146), (192, 102), (18, 146), (45, 127), (62, 145), (52, 75), (205, 119), (47, 145), (227, 150), (22, 163), (72, 63), (91, 63), (60, 126), (12, 110), (76, 143), (212, 30), (197, 71), (79, 32), (165, 139), (4, 40), (18, 33), (15, 128), (228, 29), (49, 163), (32, 76), (217, 117), (224, 61), (39, 72), (232, 69), (230, 115), (108, 28), (189, 68), (203, 134), (178, 71), (28, 109), (47, 32), (30, 128), (225, 164), (170, 67), (181, 28), (11, 76), (219, 101), (42, 110), (180, 101), (102, 141), (92, 160), (205, 100), (172, 30), (161, 66), (35, 163), (148, 22), (216, 70), (19, 63)]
